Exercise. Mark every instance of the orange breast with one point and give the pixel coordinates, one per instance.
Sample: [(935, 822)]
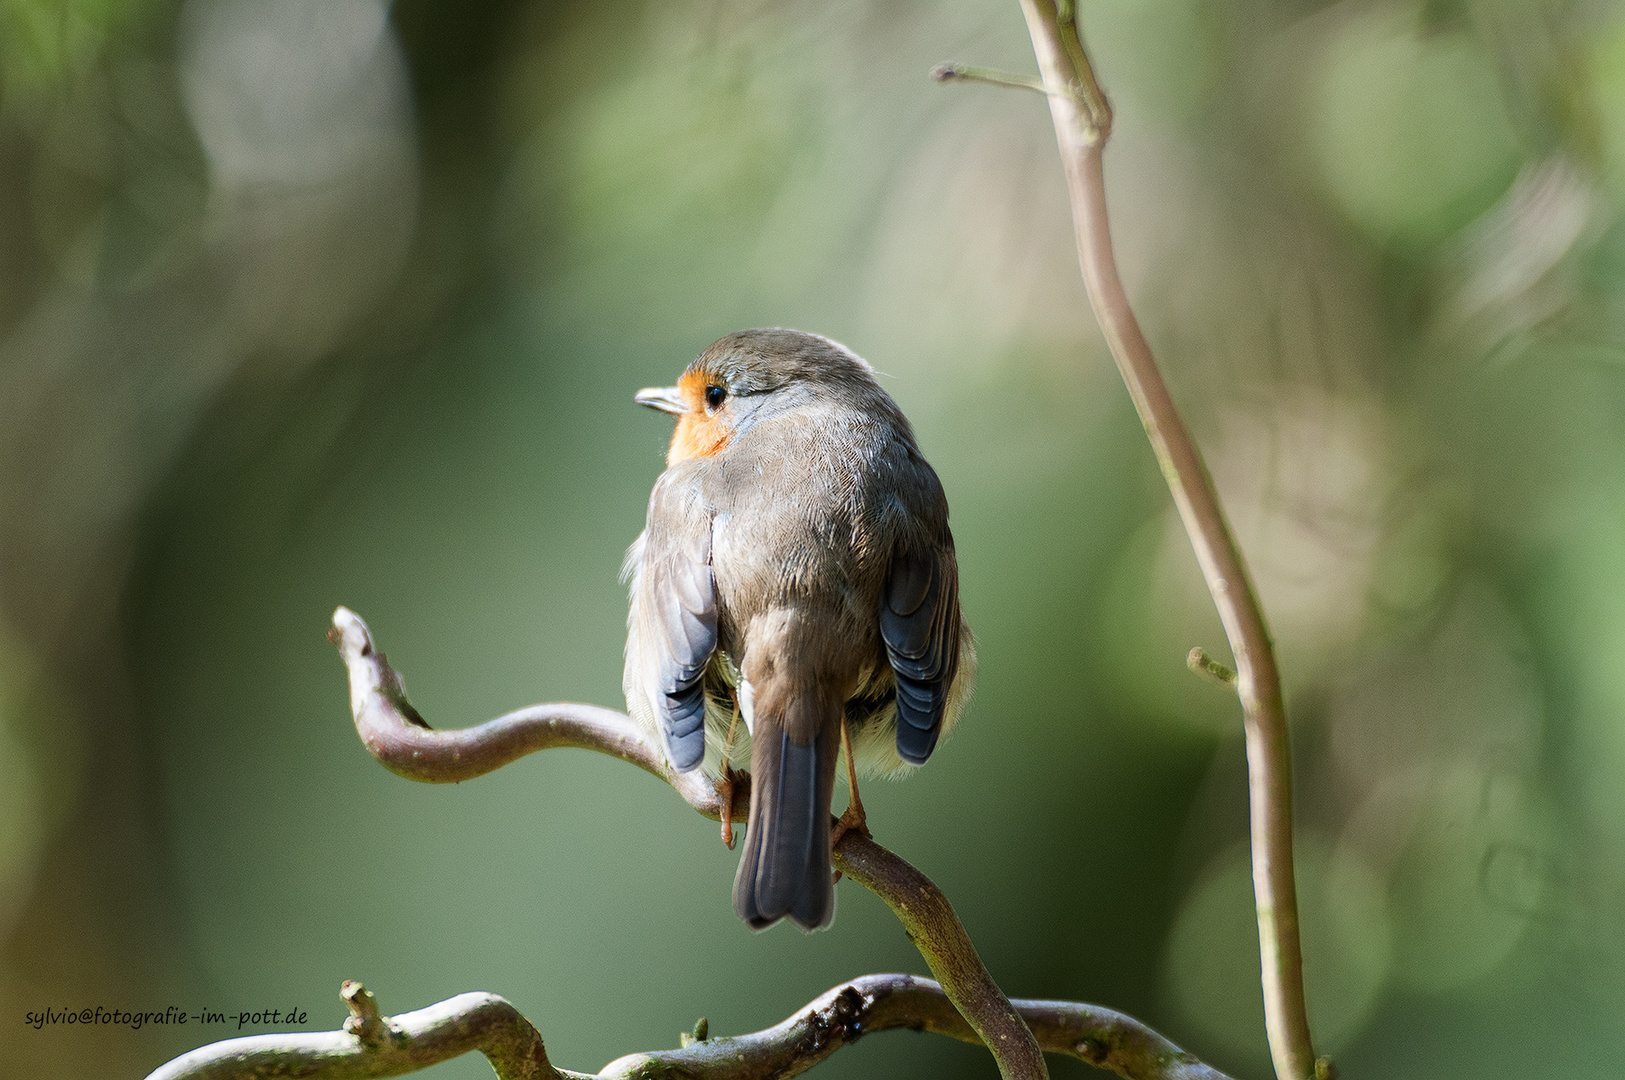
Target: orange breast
[(697, 434)]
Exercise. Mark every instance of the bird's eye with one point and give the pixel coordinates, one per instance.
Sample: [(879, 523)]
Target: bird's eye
[(714, 397)]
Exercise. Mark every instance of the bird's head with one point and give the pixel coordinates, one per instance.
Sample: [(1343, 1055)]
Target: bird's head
[(751, 374)]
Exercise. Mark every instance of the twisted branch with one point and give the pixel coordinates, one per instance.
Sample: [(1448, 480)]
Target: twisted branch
[(371, 1045), (398, 736), (966, 1005), (375, 1046), (403, 742), (934, 928)]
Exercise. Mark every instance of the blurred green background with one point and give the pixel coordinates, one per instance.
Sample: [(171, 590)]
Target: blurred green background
[(309, 302)]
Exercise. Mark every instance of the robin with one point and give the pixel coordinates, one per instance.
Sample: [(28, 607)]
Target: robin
[(795, 573)]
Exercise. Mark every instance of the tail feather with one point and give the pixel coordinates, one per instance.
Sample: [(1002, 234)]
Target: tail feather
[(784, 870)]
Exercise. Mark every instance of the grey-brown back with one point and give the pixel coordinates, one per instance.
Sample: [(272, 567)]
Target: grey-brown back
[(822, 560)]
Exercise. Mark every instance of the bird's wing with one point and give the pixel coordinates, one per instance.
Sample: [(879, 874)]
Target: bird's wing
[(677, 614), (919, 622)]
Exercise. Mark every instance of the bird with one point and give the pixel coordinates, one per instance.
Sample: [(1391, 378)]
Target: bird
[(794, 592)]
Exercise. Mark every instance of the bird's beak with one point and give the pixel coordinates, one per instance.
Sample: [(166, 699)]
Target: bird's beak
[(667, 399)]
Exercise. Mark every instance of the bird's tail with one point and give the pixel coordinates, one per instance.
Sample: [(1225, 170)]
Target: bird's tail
[(784, 870)]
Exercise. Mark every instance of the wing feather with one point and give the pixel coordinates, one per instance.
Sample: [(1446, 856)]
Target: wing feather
[(677, 609), (919, 622)]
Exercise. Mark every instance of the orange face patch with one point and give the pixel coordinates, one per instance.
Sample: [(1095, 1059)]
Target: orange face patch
[(697, 434)]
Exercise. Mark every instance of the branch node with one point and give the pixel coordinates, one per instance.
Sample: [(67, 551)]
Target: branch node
[(1092, 1050), (701, 1032), (364, 1022), (1325, 1069), (1208, 668), (848, 1013), (1085, 90)]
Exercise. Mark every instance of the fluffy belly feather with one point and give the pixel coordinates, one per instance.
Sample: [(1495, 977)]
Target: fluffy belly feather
[(871, 716)]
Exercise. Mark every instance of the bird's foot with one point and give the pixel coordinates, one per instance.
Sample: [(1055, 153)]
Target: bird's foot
[(852, 820)]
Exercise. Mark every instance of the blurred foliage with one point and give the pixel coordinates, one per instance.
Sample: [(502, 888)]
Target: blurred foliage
[(307, 302)]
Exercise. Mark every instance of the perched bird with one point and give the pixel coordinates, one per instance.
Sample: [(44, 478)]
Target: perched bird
[(796, 572)]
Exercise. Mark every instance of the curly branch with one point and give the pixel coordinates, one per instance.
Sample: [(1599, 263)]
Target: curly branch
[(399, 737), (966, 1005), (371, 1045), (935, 929), (374, 1046)]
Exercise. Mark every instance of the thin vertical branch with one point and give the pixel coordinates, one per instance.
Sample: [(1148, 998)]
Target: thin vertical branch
[(1082, 123)]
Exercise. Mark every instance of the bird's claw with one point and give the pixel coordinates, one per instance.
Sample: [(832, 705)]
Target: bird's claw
[(852, 820)]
